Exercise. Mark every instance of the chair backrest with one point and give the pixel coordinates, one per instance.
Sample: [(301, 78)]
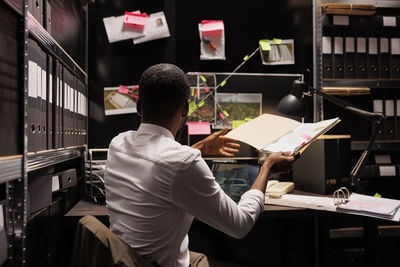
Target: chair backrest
[(96, 246)]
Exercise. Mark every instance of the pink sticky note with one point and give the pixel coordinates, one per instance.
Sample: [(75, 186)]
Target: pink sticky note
[(306, 136), (135, 19), (135, 87), (208, 26), (197, 128), (195, 93), (134, 96), (122, 89), (206, 88), (222, 115)]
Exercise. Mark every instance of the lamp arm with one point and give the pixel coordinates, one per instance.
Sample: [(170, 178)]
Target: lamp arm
[(343, 104)]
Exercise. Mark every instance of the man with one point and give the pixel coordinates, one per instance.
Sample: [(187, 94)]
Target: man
[(155, 186)]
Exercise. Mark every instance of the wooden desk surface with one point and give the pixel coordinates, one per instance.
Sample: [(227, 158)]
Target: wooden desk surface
[(87, 207)]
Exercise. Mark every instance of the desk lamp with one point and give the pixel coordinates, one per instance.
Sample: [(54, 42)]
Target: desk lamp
[(294, 105)]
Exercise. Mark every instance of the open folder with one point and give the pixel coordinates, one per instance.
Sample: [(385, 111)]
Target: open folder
[(272, 133)]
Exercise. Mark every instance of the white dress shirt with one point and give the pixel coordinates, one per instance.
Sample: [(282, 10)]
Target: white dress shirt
[(154, 187)]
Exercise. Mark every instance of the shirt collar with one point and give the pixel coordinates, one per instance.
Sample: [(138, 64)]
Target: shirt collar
[(155, 129)]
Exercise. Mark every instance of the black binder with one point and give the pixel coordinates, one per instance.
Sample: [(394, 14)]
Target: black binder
[(379, 107), (389, 120), (349, 58), (58, 107), (386, 27), (65, 113), (50, 102), (33, 102), (38, 10), (372, 57), (327, 51), (395, 57), (360, 25), (47, 19), (43, 99), (338, 57)]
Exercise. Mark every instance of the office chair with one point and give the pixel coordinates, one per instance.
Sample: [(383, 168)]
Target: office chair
[(96, 246)]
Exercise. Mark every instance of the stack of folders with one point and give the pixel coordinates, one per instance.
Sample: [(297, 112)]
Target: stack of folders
[(345, 203), (389, 106), (361, 47), (57, 103), (350, 9)]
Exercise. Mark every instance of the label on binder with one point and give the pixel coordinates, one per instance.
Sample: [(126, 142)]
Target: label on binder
[(387, 170), (389, 21), (341, 20), (32, 79)]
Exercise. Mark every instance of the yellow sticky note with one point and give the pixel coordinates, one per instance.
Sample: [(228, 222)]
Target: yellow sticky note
[(192, 92), (246, 58), (201, 104), (192, 108), (223, 83), (203, 78), (277, 41), (237, 123), (247, 119), (226, 113), (265, 46), (377, 195)]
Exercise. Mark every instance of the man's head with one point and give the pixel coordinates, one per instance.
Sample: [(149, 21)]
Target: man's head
[(163, 92)]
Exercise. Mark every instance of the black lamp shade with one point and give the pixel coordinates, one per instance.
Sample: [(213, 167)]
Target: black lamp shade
[(292, 106)]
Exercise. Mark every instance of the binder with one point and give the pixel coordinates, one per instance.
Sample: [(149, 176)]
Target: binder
[(50, 102), (349, 58), (58, 108), (338, 57), (389, 124), (372, 57), (397, 122), (47, 19), (327, 51), (43, 99), (33, 103), (378, 107), (360, 26), (65, 111), (38, 10), (395, 56), (386, 29)]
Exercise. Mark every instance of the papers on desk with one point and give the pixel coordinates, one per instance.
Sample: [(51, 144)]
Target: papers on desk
[(382, 208), (140, 28)]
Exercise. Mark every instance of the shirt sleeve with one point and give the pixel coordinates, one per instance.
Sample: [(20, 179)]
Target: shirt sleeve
[(196, 191)]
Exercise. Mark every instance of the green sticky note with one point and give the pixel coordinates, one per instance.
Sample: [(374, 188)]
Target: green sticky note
[(201, 104), (265, 46), (237, 123), (277, 41), (192, 108), (203, 78), (247, 119), (246, 58), (226, 113), (377, 195), (223, 83), (192, 92)]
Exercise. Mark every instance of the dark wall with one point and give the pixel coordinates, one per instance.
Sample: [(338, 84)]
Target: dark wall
[(245, 24)]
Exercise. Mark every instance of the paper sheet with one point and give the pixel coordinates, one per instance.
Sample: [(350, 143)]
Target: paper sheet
[(199, 128), (116, 31), (156, 28)]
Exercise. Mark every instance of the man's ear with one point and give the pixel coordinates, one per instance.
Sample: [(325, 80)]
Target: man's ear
[(139, 108), (185, 109)]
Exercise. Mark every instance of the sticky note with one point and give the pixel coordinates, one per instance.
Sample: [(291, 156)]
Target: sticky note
[(223, 83), (306, 136), (277, 41), (192, 108), (135, 96), (192, 92), (195, 93), (197, 128), (135, 19), (226, 113), (221, 115), (212, 25), (135, 87), (246, 58), (206, 88), (265, 46), (203, 78), (122, 89), (201, 104), (247, 119), (377, 195), (237, 123)]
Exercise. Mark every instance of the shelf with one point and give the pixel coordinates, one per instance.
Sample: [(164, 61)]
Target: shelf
[(11, 168), (378, 145), (46, 40), (362, 83), (47, 158), (16, 5)]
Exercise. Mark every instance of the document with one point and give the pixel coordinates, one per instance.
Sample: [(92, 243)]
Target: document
[(272, 133), (117, 31), (156, 28)]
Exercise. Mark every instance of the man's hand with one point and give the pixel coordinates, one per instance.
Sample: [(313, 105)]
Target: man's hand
[(217, 144), (279, 161)]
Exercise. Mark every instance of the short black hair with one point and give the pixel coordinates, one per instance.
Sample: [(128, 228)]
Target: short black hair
[(163, 89)]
